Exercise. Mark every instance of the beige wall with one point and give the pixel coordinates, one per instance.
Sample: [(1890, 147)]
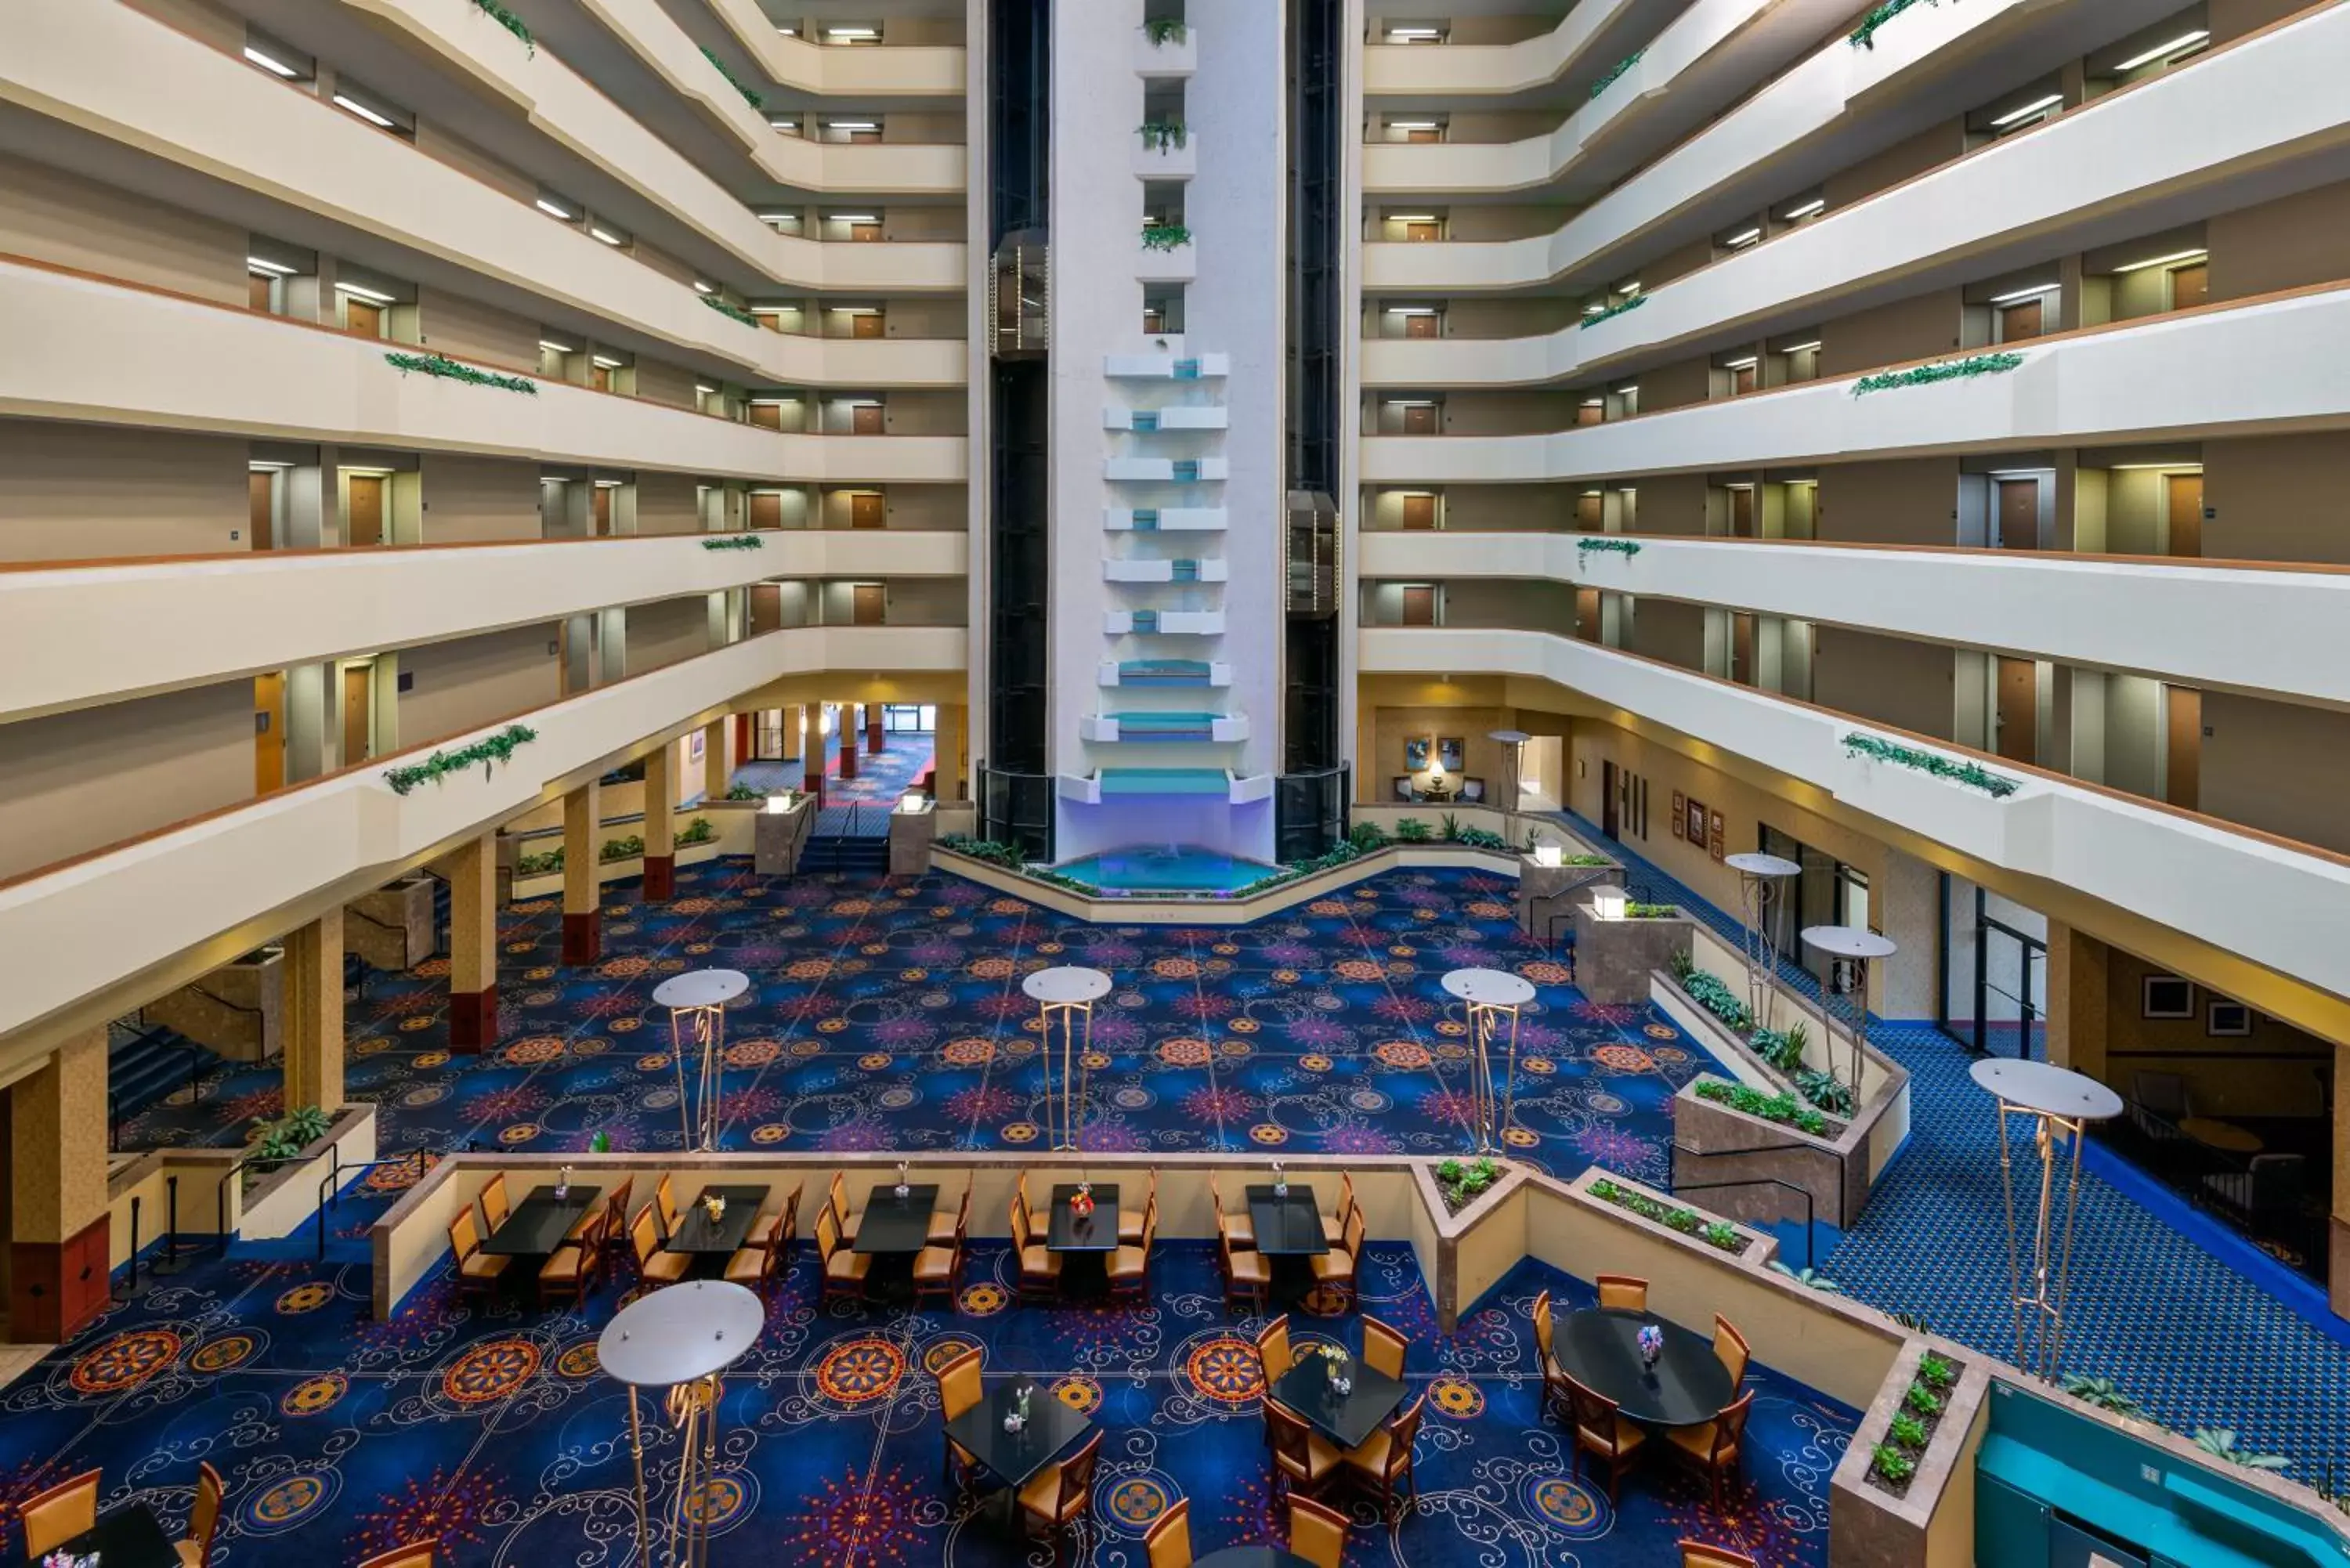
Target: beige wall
[(1669, 503), (466, 329), (666, 631), (1887, 678), (1674, 386), (923, 413), (662, 383), (1672, 631), (1912, 500), (2274, 1071), (56, 217), (2302, 239), (2229, 19), (472, 498), (2276, 767), (74, 782), (2278, 498), (665, 503), (469, 681), (73, 492), (1914, 329), (942, 318), (930, 601), (433, 138), (944, 507), (1391, 727), (1928, 148)]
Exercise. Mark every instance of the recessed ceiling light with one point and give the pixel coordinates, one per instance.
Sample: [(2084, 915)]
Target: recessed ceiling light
[(2177, 467), (1746, 364), (275, 269), (2037, 106), (1411, 125), (266, 465), (1410, 33), (2013, 294), (551, 345), (377, 294), (2164, 261), (1412, 217), (1412, 311), (701, 288), (1748, 238), (2160, 52), (363, 111), (1816, 204), (852, 32), (271, 64), (606, 235), (855, 218), (555, 209), (855, 124), (705, 391), (605, 362), (1801, 348)]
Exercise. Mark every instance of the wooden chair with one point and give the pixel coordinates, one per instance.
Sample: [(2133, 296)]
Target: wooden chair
[(1383, 1348), (844, 1270), (758, 1264), (1040, 1215), (1624, 1292), (1335, 1270), (938, 1267), (1316, 1533), (1129, 1273), (1601, 1431), (836, 1192), (1713, 1448), (495, 1206), (1554, 1379), (1040, 1266), (204, 1519), (1169, 1539), (960, 1388), (53, 1517), (765, 1225), (665, 1205), (1383, 1457), (1334, 1224), (1730, 1349), (1060, 1496), (571, 1269), (945, 1223), (656, 1266), (1273, 1351), (420, 1555), (1302, 1460), (1698, 1554), (1239, 1227), (615, 1210), (1246, 1276), (477, 1269), (1129, 1220)]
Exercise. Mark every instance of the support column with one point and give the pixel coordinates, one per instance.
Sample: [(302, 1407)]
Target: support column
[(583, 927), (812, 752), (717, 769), (314, 1013), (848, 740), (793, 716), (661, 822), (2078, 995), (473, 945), (2338, 1292), (876, 740), (948, 763), (59, 1242)]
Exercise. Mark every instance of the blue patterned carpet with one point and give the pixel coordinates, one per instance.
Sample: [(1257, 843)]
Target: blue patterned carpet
[(492, 1431), (889, 1015)]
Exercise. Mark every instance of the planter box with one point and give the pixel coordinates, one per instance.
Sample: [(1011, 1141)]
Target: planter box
[(391, 927), (280, 1202), (1871, 1528), (1175, 57), (1546, 893), (911, 833), (1614, 958), (779, 836), (237, 1011)]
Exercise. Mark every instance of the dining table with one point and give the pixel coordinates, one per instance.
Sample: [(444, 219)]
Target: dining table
[(539, 1223), (1015, 1458), (1345, 1416), (125, 1537), (1687, 1385), (703, 1236), (1288, 1234), (894, 1228)]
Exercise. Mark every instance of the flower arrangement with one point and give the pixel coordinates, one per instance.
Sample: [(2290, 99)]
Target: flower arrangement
[(1652, 1344), (1586, 548)]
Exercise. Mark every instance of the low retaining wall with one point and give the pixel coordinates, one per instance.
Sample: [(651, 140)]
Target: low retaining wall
[(1220, 911), (283, 1201)]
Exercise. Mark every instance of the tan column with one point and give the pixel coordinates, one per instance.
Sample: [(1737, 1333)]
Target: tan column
[(59, 1242), (2078, 997), (848, 725), (2338, 1294), (583, 840), (717, 769), (661, 821), (794, 716), (949, 760), (472, 873), (876, 737), (314, 1013), (812, 752)]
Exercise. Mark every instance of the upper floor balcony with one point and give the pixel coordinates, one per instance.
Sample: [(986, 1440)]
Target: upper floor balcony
[(854, 56), (1404, 59)]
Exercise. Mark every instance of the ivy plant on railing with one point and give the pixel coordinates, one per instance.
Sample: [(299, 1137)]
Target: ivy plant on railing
[(1616, 71), (448, 369), (1163, 30), (735, 542), (510, 21), (1165, 236), (1610, 313), (487, 752), (1942, 370), (734, 81), (1164, 135), (1865, 36), (1974, 775), (1584, 548), (728, 307)]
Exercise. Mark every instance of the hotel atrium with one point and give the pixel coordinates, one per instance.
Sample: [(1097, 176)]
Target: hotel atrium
[(1267, 784)]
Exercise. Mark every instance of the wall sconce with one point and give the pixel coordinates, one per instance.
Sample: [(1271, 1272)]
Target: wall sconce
[(912, 801), (1546, 854), (778, 805), (1610, 903)]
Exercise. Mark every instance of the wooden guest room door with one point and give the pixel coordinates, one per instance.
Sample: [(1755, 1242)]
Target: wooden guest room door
[(866, 604), (366, 525)]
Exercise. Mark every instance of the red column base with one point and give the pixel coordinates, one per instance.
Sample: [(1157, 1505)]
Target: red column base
[(56, 1288), (660, 875), (583, 937), (849, 754), (813, 781), (874, 737), (473, 1019)]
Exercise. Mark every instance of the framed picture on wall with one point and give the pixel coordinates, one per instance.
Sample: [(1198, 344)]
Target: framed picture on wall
[(1692, 816), (1416, 752), (2224, 1017), (2166, 996), (1449, 753), (1680, 815), (1713, 835)]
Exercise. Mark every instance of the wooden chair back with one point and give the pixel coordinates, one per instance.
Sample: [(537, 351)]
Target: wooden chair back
[(1272, 1349), (53, 1517), (1625, 1291), (1730, 1347), (1543, 1328), (1316, 1533), (960, 1385), (616, 1208), (419, 1555), (1169, 1541), (827, 1234), (665, 1197), (1594, 1416), (1699, 1554), (1078, 1479), (465, 1234), (1403, 1430), (1353, 1245), (1730, 1429), (1383, 1348), (1289, 1437), (495, 1206), (644, 1237), (203, 1515)]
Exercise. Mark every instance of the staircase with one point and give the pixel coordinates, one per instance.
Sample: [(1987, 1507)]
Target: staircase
[(146, 1062), (849, 840)]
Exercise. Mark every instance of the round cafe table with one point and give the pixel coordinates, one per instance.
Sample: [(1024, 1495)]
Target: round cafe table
[(1689, 1385)]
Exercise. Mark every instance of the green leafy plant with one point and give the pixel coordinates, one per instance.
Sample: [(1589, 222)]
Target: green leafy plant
[(1164, 135), (627, 848), (728, 307), (540, 865), (448, 369), (1366, 837), (1922, 1399), (1935, 1372), (1586, 548), (1826, 1091), (1609, 312), (1450, 825), (743, 792), (274, 1142), (1163, 30), (1411, 830), (1809, 1279), (1004, 854), (2222, 1443), (1865, 36), (1688, 1221), (1463, 1184), (735, 542), (485, 752), (698, 831), (1940, 371), (1616, 71), (1650, 911), (2102, 1392), (1783, 1051), (1721, 1233), (1999, 786), (1892, 1464), (734, 81), (509, 21), (1585, 860), (1480, 838), (1784, 1109), (1908, 1430), (1165, 236)]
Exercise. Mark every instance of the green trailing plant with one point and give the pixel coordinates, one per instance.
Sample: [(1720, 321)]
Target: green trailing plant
[(545, 865), (1865, 36), (1586, 548), (1784, 1109), (1616, 71), (1974, 775), (279, 1140), (1809, 1279), (2102, 1392), (448, 369), (1165, 236), (735, 542), (1585, 860), (1892, 1464), (485, 752), (744, 791), (1826, 1091), (1163, 30), (1164, 135), (1907, 1431), (2222, 1443), (509, 21), (1461, 1184), (1411, 830), (728, 307), (698, 831), (734, 81), (1480, 838), (1004, 854), (1710, 992), (1940, 371), (1922, 1399), (627, 848), (1366, 837), (1610, 312), (1650, 911)]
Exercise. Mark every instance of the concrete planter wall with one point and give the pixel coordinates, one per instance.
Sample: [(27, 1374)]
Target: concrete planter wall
[(280, 1202), (1614, 958), (391, 927), (1868, 1527), (237, 1010), (1219, 911), (1546, 894)]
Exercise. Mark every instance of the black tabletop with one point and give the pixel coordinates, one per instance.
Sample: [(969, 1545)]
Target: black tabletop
[(894, 1224), (1286, 1226), (1344, 1418), (535, 1227), (1251, 1557), (1097, 1233), (1688, 1384), (697, 1232), (129, 1537), (1016, 1456)]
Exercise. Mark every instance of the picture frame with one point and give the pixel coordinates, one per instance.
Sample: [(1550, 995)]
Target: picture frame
[(1692, 816), (2222, 1018), (1416, 753), (1680, 815), (2166, 996), (1714, 835), (1451, 753)]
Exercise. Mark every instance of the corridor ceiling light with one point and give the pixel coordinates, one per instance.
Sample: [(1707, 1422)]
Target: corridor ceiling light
[(2013, 294), (606, 235), (1593, 403), (852, 32), (1746, 364), (767, 217), (701, 288), (608, 484), (1412, 217), (272, 64), (604, 361), (1748, 238), (1412, 125), (856, 218), (363, 111), (1816, 204), (1802, 347), (2160, 52), (275, 269), (1412, 311), (2172, 258), (1593, 309), (705, 391), (555, 209), (855, 125), (1410, 33), (2037, 106), (267, 465), (2185, 466), (549, 343), (375, 295)]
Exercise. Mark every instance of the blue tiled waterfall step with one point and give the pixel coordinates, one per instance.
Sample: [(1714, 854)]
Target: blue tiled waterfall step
[(1163, 671), (1164, 781), (1165, 726)]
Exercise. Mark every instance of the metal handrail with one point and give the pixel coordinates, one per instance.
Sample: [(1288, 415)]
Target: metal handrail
[(195, 1055), (1810, 1211), (225, 1001), (331, 1186)]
